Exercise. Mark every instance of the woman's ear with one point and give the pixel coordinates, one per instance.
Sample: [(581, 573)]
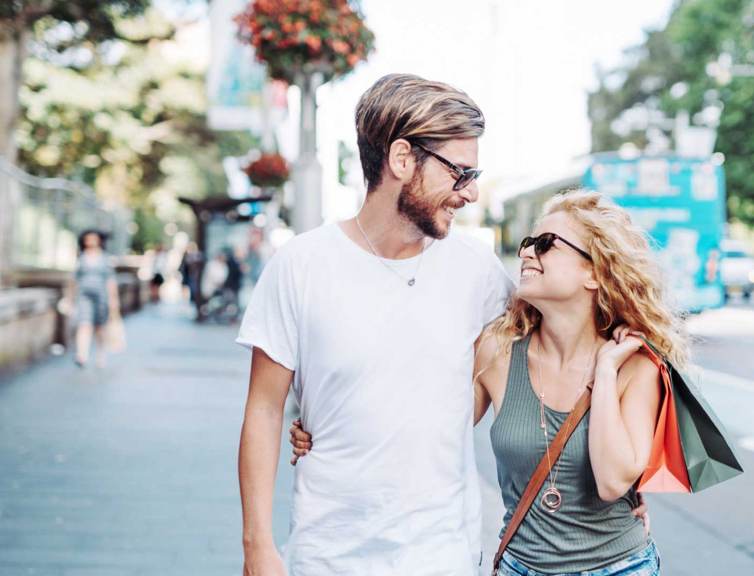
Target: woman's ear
[(400, 161), (591, 282)]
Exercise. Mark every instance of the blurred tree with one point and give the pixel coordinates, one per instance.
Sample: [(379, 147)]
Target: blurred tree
[(60, 25), (689, 65), (127, 115)]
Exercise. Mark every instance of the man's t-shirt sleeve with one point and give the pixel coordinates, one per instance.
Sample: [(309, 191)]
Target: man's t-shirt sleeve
[(499, 289), (270, 320)]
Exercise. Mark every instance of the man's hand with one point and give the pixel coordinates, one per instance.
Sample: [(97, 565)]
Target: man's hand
[(642, 511), (300, 439), (263, 562)]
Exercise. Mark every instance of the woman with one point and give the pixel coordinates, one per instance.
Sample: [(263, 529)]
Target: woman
[(586, 271), (97, 293), (588, 289)]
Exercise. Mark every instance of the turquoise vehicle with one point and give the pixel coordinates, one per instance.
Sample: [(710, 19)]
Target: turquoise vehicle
[(679, 201)]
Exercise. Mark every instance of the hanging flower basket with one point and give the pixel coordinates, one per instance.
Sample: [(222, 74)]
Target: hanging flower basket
[(268, 171), (297, 36)]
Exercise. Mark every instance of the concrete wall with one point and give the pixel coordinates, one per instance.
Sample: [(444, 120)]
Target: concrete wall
[(28, 322)]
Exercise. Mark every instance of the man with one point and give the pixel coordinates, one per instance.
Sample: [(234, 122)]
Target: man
[(373, 322)]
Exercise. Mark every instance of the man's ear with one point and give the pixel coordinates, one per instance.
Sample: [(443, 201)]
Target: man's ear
[(400, 162)]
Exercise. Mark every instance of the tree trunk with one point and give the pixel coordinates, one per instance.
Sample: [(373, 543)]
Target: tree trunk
[(12, 49)]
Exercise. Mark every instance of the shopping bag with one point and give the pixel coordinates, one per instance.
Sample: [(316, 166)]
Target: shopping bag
[(115, 334), (707, 449), (690, 448), (666, 470)]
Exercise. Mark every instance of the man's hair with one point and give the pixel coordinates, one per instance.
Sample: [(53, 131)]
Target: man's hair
[(418, 110)]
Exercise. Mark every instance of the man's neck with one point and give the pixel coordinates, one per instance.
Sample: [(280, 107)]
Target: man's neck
[(390, 234)]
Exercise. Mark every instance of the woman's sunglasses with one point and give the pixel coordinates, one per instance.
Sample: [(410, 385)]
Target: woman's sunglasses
[(544, 242), (463, 177)]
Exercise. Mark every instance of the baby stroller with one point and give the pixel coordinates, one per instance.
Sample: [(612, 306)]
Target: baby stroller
[(220, 286)]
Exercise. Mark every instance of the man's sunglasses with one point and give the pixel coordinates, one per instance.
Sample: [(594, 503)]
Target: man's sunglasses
[(464, 177), (544, 242)]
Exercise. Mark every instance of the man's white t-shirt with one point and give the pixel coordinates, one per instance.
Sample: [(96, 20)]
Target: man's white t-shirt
[(383, 377)]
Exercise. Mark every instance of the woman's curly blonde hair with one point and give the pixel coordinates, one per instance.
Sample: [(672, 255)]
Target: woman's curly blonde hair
[(630, 287)]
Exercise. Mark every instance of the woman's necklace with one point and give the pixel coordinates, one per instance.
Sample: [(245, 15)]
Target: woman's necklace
[(410, 281), (552, 498)]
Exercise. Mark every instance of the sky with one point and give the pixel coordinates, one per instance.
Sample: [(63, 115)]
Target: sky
[(527, 63)]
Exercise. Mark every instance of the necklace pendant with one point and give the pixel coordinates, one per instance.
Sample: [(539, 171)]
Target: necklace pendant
[(412, 282), (551, 500)]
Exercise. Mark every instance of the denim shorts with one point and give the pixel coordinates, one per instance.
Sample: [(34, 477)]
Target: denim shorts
[(646, 562), (92, 308)]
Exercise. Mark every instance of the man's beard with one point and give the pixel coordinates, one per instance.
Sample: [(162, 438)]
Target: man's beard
[(419, 211)]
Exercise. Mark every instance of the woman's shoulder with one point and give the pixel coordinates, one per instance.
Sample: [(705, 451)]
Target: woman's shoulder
[(492, 344), (639, 364), (638, 372), (493, 353)]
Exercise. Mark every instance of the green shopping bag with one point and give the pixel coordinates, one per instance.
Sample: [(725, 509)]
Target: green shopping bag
[(707, 449)]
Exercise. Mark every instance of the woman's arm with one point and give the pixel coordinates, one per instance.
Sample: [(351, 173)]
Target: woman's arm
[(625, 401), (491, 362), (482, 401), (481, 360)]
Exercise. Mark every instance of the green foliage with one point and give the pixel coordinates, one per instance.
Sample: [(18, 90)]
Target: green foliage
[(669, 73), (149, 230), (93, 19), (127, 117)]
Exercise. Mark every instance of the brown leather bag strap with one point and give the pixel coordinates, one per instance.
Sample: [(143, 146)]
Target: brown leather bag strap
[(541, 472)]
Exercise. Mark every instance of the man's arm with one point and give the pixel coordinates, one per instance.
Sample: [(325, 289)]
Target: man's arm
[(257, 462)]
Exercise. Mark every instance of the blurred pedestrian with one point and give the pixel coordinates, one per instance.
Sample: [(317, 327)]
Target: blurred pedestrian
[(214, 275), (233, 280), (191, 270), (159, 272), (96, 295), (256, 257), (220, 281)]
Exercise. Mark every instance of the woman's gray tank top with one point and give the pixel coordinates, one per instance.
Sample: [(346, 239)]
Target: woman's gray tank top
[(586, 533)]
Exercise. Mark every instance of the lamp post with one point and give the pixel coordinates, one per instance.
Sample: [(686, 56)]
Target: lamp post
[(307, 44), (307, 171)]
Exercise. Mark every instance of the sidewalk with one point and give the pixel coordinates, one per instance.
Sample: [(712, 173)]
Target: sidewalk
[(129, 470)]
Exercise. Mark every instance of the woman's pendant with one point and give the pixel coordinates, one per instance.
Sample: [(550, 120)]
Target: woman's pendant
[(551, 499), (412, 282)]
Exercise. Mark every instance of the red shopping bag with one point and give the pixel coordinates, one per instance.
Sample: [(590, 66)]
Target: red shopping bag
[(666, 470)]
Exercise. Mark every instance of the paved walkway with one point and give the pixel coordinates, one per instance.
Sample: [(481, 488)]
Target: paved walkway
[(131, 470)]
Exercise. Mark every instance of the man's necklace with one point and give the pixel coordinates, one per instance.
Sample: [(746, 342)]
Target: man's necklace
[(410, 281)]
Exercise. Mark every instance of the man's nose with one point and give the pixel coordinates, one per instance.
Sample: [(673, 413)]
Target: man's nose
[(470, 193)]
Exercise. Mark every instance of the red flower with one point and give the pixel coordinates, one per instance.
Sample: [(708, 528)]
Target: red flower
[(269, 170), (314, 42), (340, 47), (288, 34)]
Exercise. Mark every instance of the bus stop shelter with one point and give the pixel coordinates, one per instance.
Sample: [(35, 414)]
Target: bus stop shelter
[(214, 217)]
